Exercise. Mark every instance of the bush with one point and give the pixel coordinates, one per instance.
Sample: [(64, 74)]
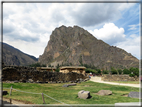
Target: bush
[(113, 71), (131, 75), (105, 72), (126, 71), (135, 71), (120, 71), (57, 70), (37, 65)]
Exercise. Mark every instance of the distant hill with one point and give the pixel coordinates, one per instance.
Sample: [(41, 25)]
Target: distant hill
[(75, 46), (13, 56)]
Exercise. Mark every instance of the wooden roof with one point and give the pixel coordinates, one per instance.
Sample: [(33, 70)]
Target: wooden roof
[(76, 67)]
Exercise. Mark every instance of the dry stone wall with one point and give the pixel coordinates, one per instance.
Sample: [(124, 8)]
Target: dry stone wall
[(24, 74), (108, 77)]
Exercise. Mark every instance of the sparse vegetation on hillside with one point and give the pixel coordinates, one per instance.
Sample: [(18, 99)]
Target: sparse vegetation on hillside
[(37, 65)]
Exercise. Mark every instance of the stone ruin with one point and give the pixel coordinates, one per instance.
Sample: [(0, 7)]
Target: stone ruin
[(107, 77), (30, 74)]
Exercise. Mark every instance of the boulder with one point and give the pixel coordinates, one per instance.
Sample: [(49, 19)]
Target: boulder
[(15, 81), (104, 92), (65, 85), (73, 84), (31, 81), (133, 94), (84, 94)]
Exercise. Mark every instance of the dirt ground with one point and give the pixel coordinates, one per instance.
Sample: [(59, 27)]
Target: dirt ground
[(98, 79)]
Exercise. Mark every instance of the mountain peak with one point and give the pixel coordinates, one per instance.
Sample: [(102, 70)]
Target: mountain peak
[(74, 45)]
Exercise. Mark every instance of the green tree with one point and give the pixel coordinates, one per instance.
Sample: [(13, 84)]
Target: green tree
[(126, 71), (35, 65), (134, 71), (120, 71), (113, 70), (105, 72)]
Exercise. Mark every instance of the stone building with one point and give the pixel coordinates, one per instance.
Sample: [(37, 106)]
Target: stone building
[(77, 69), (45, 69)]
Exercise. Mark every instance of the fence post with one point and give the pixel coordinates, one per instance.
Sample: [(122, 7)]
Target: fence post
[(10, 90), (43, 99), (10, 101)]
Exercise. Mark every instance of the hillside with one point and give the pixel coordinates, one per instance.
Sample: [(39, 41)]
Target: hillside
[(13, 56), (75, 46)]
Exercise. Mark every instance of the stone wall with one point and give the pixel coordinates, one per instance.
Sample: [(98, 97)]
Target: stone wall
[(107, 77), (23, 74), (73, 70)]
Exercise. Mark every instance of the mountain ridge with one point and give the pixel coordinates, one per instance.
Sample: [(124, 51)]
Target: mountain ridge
[(14, 56), (75, 45)]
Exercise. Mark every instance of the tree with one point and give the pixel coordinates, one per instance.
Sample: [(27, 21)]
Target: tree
[(120, 71), (126, 71), (134, 71), (35, 65), (113, 70), (105, 72)]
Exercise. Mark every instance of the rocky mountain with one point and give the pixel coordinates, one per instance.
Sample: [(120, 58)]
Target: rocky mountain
[(13, 56), (74, 45)]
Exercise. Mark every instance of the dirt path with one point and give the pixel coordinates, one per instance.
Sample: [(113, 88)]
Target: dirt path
[(12, 101), (98, 79)]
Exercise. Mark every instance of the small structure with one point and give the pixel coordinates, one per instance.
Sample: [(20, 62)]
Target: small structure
[(77, 69), (45, 69)]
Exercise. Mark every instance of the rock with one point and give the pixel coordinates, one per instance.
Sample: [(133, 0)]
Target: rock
[(73, 84), (58, 81), (65, 85), (4, 92), (84, 94), (104, 92), (16, 81), (30, 80), (134, 94)]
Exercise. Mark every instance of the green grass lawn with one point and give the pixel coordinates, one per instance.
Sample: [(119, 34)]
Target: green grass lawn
[(69, 95)]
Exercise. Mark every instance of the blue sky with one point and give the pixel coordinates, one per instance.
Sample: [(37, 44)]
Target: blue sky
[(28, 26)]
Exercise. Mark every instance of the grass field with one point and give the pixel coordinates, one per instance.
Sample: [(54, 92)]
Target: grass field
[(69, 95)]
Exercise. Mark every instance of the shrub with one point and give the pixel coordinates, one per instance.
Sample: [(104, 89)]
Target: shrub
[(120, 71), (105, 72), (113, 71), (126, 71), (135, 71), (131, 75)]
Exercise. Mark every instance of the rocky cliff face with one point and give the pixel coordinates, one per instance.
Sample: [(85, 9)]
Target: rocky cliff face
[(13, 56), (74, 45)]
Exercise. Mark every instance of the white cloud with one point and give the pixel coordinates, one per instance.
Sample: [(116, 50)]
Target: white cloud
[(133, 27), (131, 45), (33, 23), (110, 33), (113, 35)]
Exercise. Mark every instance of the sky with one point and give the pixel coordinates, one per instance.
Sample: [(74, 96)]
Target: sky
[(28, 26)]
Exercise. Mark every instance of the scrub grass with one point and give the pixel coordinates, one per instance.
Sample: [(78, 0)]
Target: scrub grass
[(69, 95)]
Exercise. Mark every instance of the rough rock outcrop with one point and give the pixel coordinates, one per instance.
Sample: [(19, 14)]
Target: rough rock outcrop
[(13, 56), (134, 94), (84, 94), (75, 46), (104, 92)]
